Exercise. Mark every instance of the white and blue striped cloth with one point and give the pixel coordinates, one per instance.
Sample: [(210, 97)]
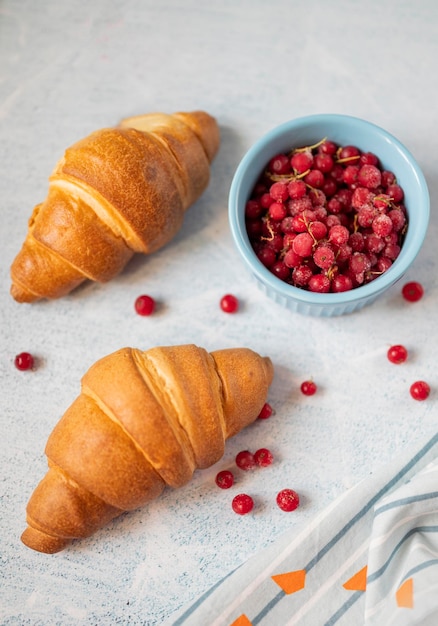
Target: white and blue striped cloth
[(370, 559)]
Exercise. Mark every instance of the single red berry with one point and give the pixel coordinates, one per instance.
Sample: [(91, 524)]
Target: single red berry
[(349, 154), (245, 460), (308, 388), (315, 178), (279, 164), (225, 479), (397, 354), (412, 292), (265, 412), (297, 189), (279, 192), (302, 161), (242, 504), (288, 500), (324, 257), (277, 211), (319, 283), (369, 176), (263, 457), (420, 390), (24, 361), (341, 282), (229, 303), (303, 244), (144, 305)]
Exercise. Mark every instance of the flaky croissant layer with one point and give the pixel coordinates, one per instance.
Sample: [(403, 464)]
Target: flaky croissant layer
[(143, 421), (117, 192)]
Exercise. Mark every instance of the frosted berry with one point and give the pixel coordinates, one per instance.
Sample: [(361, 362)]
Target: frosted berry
[(288, 500), (245, 460), (24, 361), (144, 305), (225, 479), (279, 164), (420, 390), (412, 292), (229, 303), (319, 283), (242, 504), (266, 411), (397, 354), (263, 457), (301, 161), (308, 388)]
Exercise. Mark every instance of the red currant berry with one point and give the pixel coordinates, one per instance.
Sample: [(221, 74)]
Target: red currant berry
[(412, 292), (341, 282), (315, 178), (24, 361), (263, 457), (308, 388), (245, 460), (303, 244), (397, 354), (265, 412), (297, 189), (302, 161), (324, 257), (369, 176), (242, 504), (253, 209), (229, 303), (288, 500), (319, 283), (420, 390), (277, 211), (144, 305), (224, 479), (280, 164)]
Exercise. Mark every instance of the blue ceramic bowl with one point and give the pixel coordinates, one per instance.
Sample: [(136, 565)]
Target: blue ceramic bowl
[(343, 130)]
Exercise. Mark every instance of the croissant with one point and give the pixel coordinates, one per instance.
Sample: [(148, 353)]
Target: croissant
[(143, 421), (117, 192)]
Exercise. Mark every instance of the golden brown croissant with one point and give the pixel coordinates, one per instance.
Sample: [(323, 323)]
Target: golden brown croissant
[(118, 191), (143, 421)]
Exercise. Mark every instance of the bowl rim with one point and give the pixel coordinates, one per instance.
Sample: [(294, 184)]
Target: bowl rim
[(240, 236)]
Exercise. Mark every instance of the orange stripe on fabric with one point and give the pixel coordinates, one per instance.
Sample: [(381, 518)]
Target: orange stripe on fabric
[(405, 594), (358, 582), (242, 620), (291, 581)]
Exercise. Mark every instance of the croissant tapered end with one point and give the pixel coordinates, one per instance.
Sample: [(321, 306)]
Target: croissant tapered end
[(42, 542), (201, 123), (144, 421), (117, 192)]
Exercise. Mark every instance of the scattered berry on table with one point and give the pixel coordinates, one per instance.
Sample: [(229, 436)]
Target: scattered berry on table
[(144, 305), (326, 218), (245, 460), (24, 361), (263, 457), (229, 303), (397, 354), (288, 500), (266, 411), (308, 388), (420, 390), (242, 504), (225, 479), (413, 291)]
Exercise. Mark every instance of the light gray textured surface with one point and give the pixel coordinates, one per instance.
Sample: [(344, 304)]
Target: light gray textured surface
[(69, 68)]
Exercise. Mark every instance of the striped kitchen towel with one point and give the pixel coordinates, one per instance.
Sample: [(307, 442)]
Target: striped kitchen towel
[(371, 558)]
